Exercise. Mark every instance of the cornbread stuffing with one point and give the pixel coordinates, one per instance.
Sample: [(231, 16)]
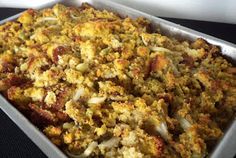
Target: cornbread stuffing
[(99, 85)]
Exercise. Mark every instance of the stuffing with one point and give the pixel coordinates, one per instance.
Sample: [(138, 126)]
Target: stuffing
[(99, 85)]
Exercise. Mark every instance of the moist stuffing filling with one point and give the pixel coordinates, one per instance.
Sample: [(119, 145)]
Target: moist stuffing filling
[(99, 85)]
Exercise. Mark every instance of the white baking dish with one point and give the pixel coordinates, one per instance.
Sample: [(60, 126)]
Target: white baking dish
[(225, 148)]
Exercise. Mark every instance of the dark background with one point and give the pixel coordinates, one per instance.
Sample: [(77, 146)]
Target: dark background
[(14, 143)]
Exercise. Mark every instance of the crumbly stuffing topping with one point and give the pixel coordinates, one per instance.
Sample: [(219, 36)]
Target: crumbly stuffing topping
[(99, 85)]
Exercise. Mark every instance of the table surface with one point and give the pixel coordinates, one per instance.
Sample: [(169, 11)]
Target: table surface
[(14, 143)]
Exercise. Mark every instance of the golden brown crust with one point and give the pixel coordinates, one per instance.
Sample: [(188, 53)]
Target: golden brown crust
[(104, 86)]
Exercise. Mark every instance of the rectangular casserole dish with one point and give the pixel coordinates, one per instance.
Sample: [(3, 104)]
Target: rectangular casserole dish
[(226, 146)]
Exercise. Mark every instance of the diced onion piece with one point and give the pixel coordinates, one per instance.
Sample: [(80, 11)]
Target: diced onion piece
[(97, 100), (90, 149), (185, 124), (67, 125), (82, 67), (86, 153), (33, 36), (144, 42), (78, 94), (162, 130), (113, 142), (160, 49), (47, 19), (74, 17)]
